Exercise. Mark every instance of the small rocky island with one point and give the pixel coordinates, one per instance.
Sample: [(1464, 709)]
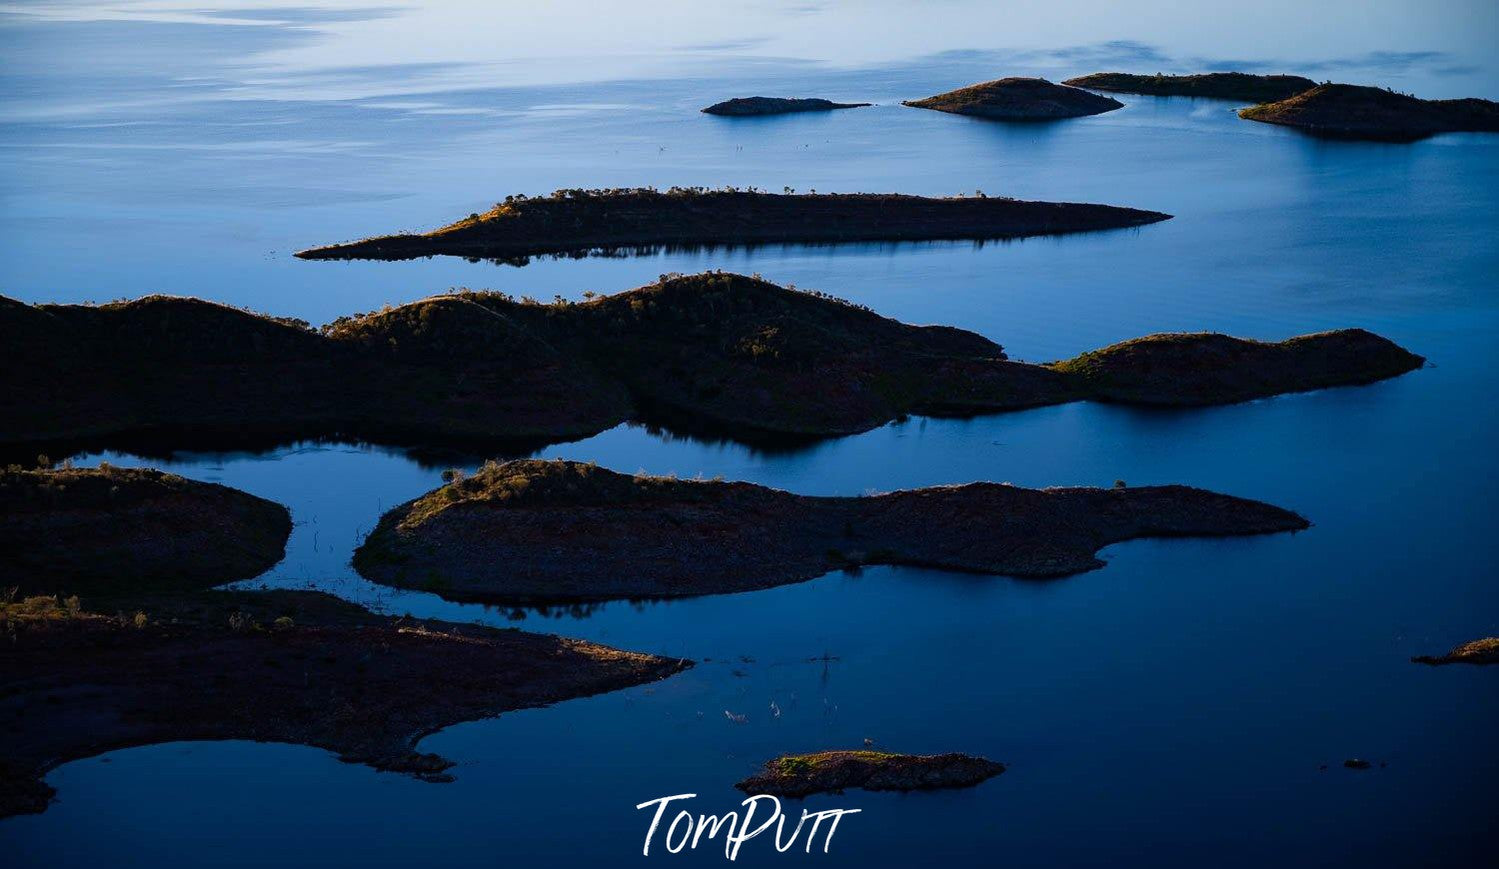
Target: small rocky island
[(831, 772), (1239, 86), (555, 531), (742, 107), (726, 354), (1346, 111), (1018, 99), (77, 530), (1484, 651), (576, 222), (277, 666)]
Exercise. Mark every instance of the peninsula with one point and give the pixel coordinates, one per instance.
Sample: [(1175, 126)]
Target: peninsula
[(741, 107), (831, 772), (278, 666), (1018, 99), (554, 531), (1212, 85), (1346, 111), (573, 222)]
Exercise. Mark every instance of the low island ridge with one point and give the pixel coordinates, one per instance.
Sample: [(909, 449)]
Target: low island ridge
[(1212, 85), (732, 355), (555, 531), (572, 222), (741, 107), (832, 772)]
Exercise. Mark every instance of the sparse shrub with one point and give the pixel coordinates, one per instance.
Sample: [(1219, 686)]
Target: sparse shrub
[(283, 623)]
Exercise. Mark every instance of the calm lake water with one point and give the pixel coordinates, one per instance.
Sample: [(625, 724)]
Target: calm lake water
[(1172, 709)]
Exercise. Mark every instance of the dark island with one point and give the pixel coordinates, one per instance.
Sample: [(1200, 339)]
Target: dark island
[(1018, 99), (176, 371), (831, 772), (741, 107), (1212, 85), (721, 353), (576, 222), (552, 531), (1484, 651), (1345, 111), (1194, 369), (114, 529), (298, 667)]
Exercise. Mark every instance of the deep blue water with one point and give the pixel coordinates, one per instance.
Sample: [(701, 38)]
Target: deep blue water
[(1170, 709)]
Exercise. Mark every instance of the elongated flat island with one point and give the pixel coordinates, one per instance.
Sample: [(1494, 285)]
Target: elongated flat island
[(726, 354), (554, 531), (579, 221), (744, 107)]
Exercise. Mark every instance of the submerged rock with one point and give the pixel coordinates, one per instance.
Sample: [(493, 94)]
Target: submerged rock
[(120, 530), (801, 775), (581, 221), (724, 354), (1214, 85), (546, 531), (1484, 651), (1018, 99), (1353, 112), (296, 667), (746, 106)]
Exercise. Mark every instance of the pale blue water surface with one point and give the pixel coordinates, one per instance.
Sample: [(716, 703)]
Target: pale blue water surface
[(1172, 709)]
